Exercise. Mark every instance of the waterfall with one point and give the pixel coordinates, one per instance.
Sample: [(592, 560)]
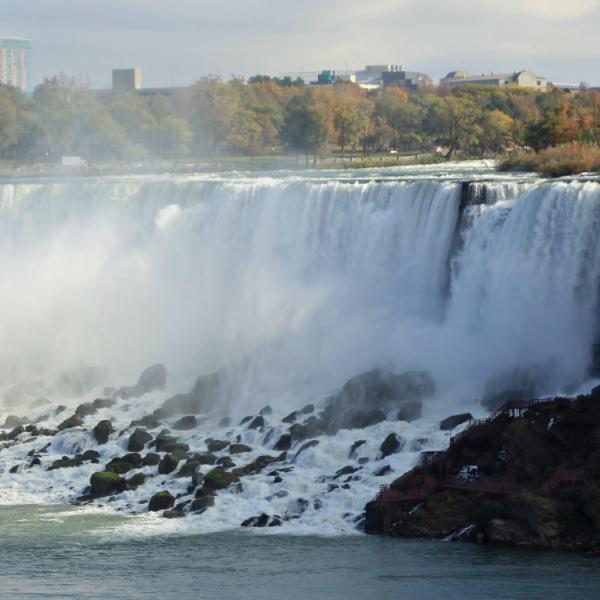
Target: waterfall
[(312, 280)]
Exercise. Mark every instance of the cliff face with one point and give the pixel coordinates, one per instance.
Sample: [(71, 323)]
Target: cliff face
[(537, 481)]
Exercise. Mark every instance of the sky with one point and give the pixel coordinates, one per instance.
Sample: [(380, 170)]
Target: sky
[(179, 41)]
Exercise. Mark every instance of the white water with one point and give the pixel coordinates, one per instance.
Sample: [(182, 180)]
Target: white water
[(312, 279)]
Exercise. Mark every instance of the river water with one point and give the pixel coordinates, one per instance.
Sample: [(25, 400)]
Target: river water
[(58, 552)]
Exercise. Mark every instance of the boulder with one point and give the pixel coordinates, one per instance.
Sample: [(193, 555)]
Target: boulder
[(168, 443), (391, 445), (239, 448), (85, 409), (135, 481), (149, 421), (257, 423), (185, 423), (151, 459), (102, 431), (138, 439), (355, 446), (100, 403), (168, 464), (16, 432), (291, 418), (72, 421), (205, 458), (225, 462), (123, 464), (283, 443), (151, 379), (262, 520), (174, 513), (216, 445), (257, 465), (450, 423), (306, 410), (91, 455), (306, 446), (267, 410), (410, 411), (106, 482), (188, 468), (202, 502), (219, 479), (161, 501)]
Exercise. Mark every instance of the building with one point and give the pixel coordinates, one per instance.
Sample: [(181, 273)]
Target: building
[(408, 80), (523, 79), (126, 80), (15, 62)]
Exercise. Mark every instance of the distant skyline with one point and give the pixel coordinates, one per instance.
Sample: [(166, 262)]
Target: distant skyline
[(181, 41)]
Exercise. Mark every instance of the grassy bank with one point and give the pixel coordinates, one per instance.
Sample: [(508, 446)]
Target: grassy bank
[(558, 161)]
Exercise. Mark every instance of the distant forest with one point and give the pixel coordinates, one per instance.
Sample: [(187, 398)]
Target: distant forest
[(272, 116)]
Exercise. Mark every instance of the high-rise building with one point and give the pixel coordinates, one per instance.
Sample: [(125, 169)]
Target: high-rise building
[(15, 62)]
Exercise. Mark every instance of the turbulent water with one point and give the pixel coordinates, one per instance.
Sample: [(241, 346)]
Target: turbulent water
[(306, 280)]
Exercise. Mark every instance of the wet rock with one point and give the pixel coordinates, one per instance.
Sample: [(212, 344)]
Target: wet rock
[(14, 469), (257, 423), (390, 445), (104, 483), (13, 421), (84, 410), (306, 446), (267, 410), (168, 464), (123, 464), (246, 420), (149, 421), (385, 470), (36, 462), (239, 448), (257, 465), (161, 501), (205, 458), (188, 468), (291, 418), (312, 427), (138, 439), (347, 470), (102, 431), (16, 432), (135, 481), (262, 520), (308, 409), (168, 443), (151, 459), (355, 446), (66, 462), (151, 379), (174, 513), (410, 411), (203, 502), (226, 462), (91, 455), (73, 421), (216, 445), (454, 421), (219, 479), (100, 403), (283, 443), (186, 423)]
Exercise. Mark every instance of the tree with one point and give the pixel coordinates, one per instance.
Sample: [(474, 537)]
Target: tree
[(303, 129), (348, 124)]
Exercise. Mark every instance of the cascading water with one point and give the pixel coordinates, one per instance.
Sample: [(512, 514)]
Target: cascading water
[(311, 280)]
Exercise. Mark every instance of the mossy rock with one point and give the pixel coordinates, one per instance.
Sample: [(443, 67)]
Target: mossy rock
[(151, 459), (216, 445), (138, 439), (219, 479), (102, 431), (239, 448), (188, 469), (168, 464), (161, 501), (106, 482), (135, 481)]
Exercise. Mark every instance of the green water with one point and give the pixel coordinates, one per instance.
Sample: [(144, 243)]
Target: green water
[(53, 552)]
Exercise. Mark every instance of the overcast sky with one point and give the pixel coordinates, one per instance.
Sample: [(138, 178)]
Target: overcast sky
[(185, 39)]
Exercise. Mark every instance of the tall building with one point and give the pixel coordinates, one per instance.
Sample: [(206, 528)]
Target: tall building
[(126, 80), (15, 62)]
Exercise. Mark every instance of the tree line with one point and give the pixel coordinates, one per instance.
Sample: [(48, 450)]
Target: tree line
[(268, 116)]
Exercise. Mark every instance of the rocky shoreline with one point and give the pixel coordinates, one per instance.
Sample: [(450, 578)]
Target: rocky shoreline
[(528, 476)]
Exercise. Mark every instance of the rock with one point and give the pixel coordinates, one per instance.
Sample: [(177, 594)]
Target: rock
[(188, 468), (410, 411), (205, 458), (347, 470), (151, 459), (225, 462), (106, 482), (135, 481), (174, 513), (123, 464), (312, 427), (257, 465), (257, 423), (385, 470), (151, 379), (216, 445), (304, 447), (219, 479), (306, 410), (14, 469), (161, 501), (185, 423), (283, 443), (506, 531), (262, 520), (202, 502), (267, 410), (390, 445), (224, 422), (355, 446), (16, 432), (168, 443), (84, 410), (168, 464), (102, 431), (138, 439), (100, 403), (66, 462), (149, 421), (246, 420), (239, 448), (73, 421), (291, 418), (13, 421), (450, 423), (91, 455)]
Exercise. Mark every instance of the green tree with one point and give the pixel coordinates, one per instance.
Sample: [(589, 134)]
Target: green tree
[(303, 129)]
